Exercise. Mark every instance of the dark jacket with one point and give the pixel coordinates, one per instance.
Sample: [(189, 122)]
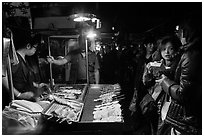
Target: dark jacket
[(22, 76), (186, 89)]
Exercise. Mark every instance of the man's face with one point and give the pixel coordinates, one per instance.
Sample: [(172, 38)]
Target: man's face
[(150, 47), (73, 45), (32, 50), (92, 47)]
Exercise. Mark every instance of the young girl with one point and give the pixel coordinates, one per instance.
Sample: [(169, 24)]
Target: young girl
[(169, 55)]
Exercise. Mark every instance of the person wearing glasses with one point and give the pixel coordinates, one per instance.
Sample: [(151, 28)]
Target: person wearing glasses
[(22, 73)]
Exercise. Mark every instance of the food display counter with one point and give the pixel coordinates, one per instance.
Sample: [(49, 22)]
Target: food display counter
[(71, 109), (101, 113), (67, 103), (100, 101)]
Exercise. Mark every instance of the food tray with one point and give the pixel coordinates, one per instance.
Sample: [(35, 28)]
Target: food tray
[(54, 112), (93, 93), (60, 88)]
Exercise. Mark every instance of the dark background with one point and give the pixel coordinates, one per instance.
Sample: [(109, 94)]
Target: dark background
[(132, 17)]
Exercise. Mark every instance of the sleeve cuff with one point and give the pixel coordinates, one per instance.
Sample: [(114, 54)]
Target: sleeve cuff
[(166, 85)]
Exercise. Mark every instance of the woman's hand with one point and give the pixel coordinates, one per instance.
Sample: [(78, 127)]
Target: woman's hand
[(161, 79), (42, 85), (149, 68)]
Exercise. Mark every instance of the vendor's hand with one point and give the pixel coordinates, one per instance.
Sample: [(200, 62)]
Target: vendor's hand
[(60, 57), (161, 79), (43, 85), (42, 61), (39, 85), (50, 59), (26, 95)]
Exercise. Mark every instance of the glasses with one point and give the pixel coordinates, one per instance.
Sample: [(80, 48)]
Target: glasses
[(35, 46)]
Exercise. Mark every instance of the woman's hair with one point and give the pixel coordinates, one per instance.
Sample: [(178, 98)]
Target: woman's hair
[(192, 26), (176, 43)]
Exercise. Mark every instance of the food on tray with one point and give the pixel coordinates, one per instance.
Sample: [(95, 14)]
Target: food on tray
[(109, 110), (72, 91), (66, 113), (110, 88), (28, 106), (109, 97), (68, 92), (71, 103), (64, 110), (110, 113), (105, 105), (110, 119)]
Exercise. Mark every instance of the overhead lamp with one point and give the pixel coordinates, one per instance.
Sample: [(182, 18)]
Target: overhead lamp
[(82, 17)]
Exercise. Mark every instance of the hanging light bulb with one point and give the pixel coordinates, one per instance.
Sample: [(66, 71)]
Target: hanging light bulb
[(81, 17)]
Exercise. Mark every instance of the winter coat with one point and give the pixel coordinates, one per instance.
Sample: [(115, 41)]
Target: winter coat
[(186, 89)]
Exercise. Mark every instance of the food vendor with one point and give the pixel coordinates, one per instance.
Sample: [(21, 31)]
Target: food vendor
[(22, 73), (78, 60)]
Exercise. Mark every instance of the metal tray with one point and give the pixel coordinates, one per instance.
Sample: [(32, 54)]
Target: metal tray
[(82, 87), (48, 112)]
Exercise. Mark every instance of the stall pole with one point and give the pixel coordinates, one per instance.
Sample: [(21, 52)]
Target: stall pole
[(9, 71), (87, 63), (10, 80), (51, 78)]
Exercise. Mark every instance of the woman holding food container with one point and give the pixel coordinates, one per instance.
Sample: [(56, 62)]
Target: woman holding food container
[(169, 55)]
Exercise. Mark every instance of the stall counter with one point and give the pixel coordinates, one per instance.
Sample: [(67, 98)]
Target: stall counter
[(86, 124)]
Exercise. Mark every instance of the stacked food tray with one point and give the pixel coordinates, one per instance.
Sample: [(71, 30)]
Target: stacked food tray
[(109, 109), (102, 104), (73, 92), (67, 103), (67, 111)]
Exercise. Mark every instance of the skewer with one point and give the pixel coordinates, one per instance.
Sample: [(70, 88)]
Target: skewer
[(63, 120), (107, 104), (69, 122), (50, 117), (58, 119)]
